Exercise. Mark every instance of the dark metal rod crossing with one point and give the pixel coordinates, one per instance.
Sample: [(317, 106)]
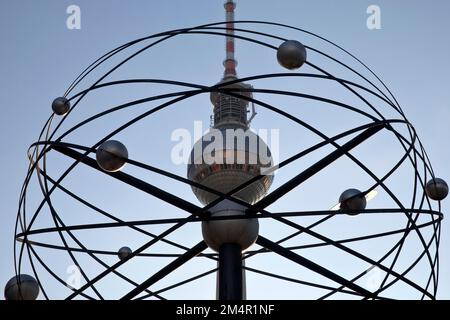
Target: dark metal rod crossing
[(266, 243), (139, 184), (188, 255), (315, 168)]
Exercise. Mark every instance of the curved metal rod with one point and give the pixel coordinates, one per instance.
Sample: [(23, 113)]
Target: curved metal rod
[(60, 234), (416, 177), (409, 269), (306, 283), (266, 243), (188, 255), (354, 253), (248, 254), (317, 51), (263, 215), (129, 257), (110, 216), (56, 217), (384, 257), (399, 246), (178, 284), (54, 275), (17, 266), (44, 189), (249, 78)]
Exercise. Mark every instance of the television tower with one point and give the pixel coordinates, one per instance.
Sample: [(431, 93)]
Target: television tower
[(239, 155)]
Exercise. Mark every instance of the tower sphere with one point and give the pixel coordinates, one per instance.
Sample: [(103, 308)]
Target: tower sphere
[(60, 106), (224, 166), (291, 54), (243, 232), (111, 155), (352, 199), (437, 189), (29, 288), (124, 252)]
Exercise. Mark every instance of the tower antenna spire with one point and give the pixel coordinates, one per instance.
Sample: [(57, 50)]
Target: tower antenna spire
[(230, 62), (231, 111)]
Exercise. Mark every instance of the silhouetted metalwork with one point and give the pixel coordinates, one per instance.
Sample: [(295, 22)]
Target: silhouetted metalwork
[(49, 141)]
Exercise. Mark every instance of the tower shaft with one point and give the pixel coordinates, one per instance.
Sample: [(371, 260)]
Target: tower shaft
[(230, 274)]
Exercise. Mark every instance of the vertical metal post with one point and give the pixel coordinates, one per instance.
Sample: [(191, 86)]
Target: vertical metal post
[(230, 272), (244, 282)]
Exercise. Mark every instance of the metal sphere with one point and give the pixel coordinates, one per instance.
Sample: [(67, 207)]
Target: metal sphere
[(352, 199), (61, 106), (226, 176), (111, 155), (437, 189), (124, 252), (291, 54), (29, 288), (243, 232)]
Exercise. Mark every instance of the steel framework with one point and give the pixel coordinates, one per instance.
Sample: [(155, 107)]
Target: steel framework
[(52, 140)]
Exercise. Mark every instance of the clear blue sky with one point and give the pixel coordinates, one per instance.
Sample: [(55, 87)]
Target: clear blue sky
[(39, 58)]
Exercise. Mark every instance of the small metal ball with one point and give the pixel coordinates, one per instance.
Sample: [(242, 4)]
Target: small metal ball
[(352, 199), (60, 106), (29, 288), (111, 155), (437, 189), (291, 54), (124, 252)]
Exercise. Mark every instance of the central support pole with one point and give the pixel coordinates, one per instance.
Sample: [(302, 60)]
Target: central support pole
[(230, 272)]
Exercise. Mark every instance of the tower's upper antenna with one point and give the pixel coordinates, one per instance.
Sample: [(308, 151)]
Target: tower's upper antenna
[(230, 111), (230, 62)]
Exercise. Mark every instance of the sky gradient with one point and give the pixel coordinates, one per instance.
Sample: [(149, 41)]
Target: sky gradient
[(40, 57)]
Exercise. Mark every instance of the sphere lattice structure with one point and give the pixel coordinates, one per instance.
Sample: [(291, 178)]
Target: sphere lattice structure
[(344, 130)]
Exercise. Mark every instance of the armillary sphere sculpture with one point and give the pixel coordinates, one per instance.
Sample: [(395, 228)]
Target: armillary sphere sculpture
[(329, 253)]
